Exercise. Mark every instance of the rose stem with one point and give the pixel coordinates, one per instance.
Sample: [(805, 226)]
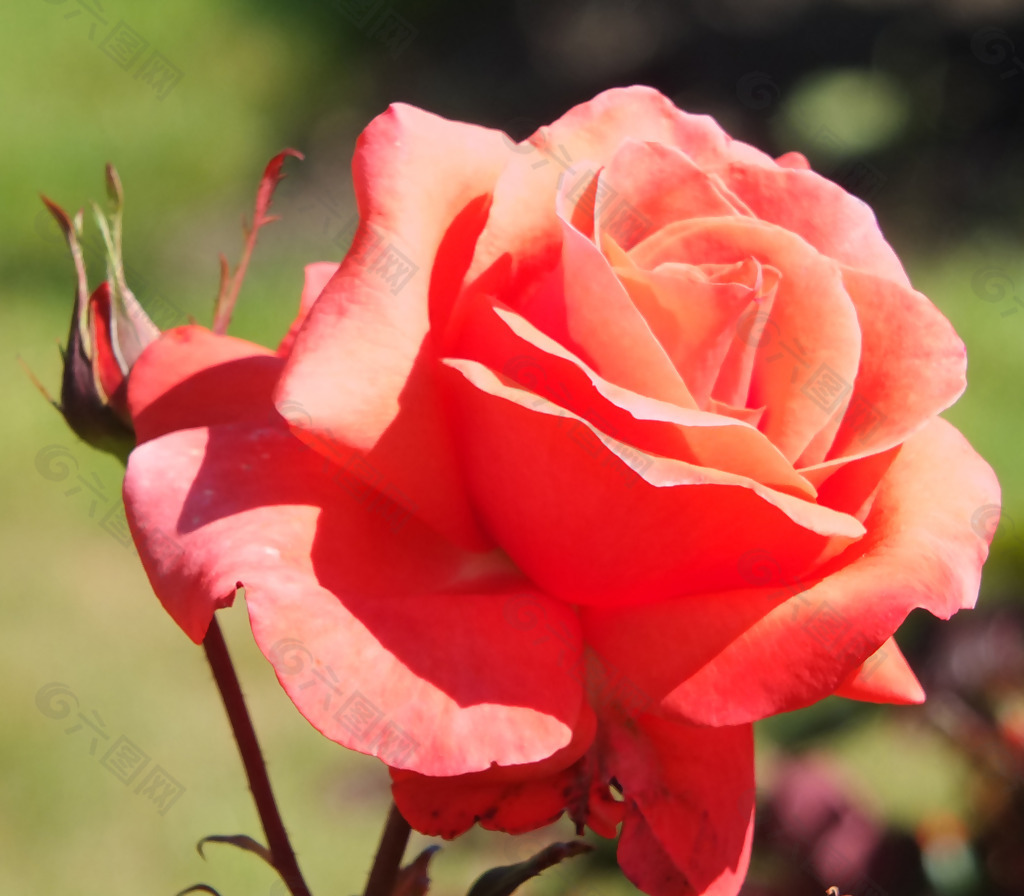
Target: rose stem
[(393, 841), (255, 769)]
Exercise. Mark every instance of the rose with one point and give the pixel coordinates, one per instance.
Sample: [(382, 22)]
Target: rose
[(589, 455)]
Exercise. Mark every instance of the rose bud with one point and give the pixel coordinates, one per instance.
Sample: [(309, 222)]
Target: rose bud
[(108, 332)]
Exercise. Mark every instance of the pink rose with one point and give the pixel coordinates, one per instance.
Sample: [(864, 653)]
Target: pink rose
[(590, 454)]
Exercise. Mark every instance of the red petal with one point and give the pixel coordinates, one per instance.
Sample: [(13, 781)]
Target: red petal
[(603, 324), (646, 186), (732, 658), (884, 677), (814, 330), (382, 633), (912, 366), (522, 222), (316, 278), (106, 369), (691, 793), (597, 522), (191, 377), (508, 344), (513, 799), (837, 224), (361, 368)]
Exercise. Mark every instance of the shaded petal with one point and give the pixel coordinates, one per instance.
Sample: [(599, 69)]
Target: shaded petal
[(193, 377), (595, 521), (349, 597), (733, 658), (415, 174), (836, 223), (690, 825), (514, 799)]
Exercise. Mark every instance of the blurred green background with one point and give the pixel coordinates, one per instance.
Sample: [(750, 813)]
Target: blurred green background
[(918, 108)]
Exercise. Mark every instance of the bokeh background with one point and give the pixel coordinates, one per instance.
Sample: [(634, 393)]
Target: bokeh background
[(916, 107)]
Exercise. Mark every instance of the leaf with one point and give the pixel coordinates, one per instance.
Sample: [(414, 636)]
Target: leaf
[(242, 841), (505, 880)]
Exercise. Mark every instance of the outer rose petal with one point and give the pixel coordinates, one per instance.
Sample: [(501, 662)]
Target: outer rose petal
[(513, 799), (360, 594), (836, 223), (693, 791), (317, 276), (912, 366), (415, 173), (884, 677), (191, 377), (733, 658)]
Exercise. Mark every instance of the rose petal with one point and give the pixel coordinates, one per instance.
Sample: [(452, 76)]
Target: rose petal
[(646, 186), (604, 327), (884, 677), (508, 344), (836, 223), (514, 799), (597, 522), (912, 366), (690, 791), (733, 658), (415, 174), (522, 221), (695, 312), (317, 276), (348, 597), (191, 377), (813, 346)]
